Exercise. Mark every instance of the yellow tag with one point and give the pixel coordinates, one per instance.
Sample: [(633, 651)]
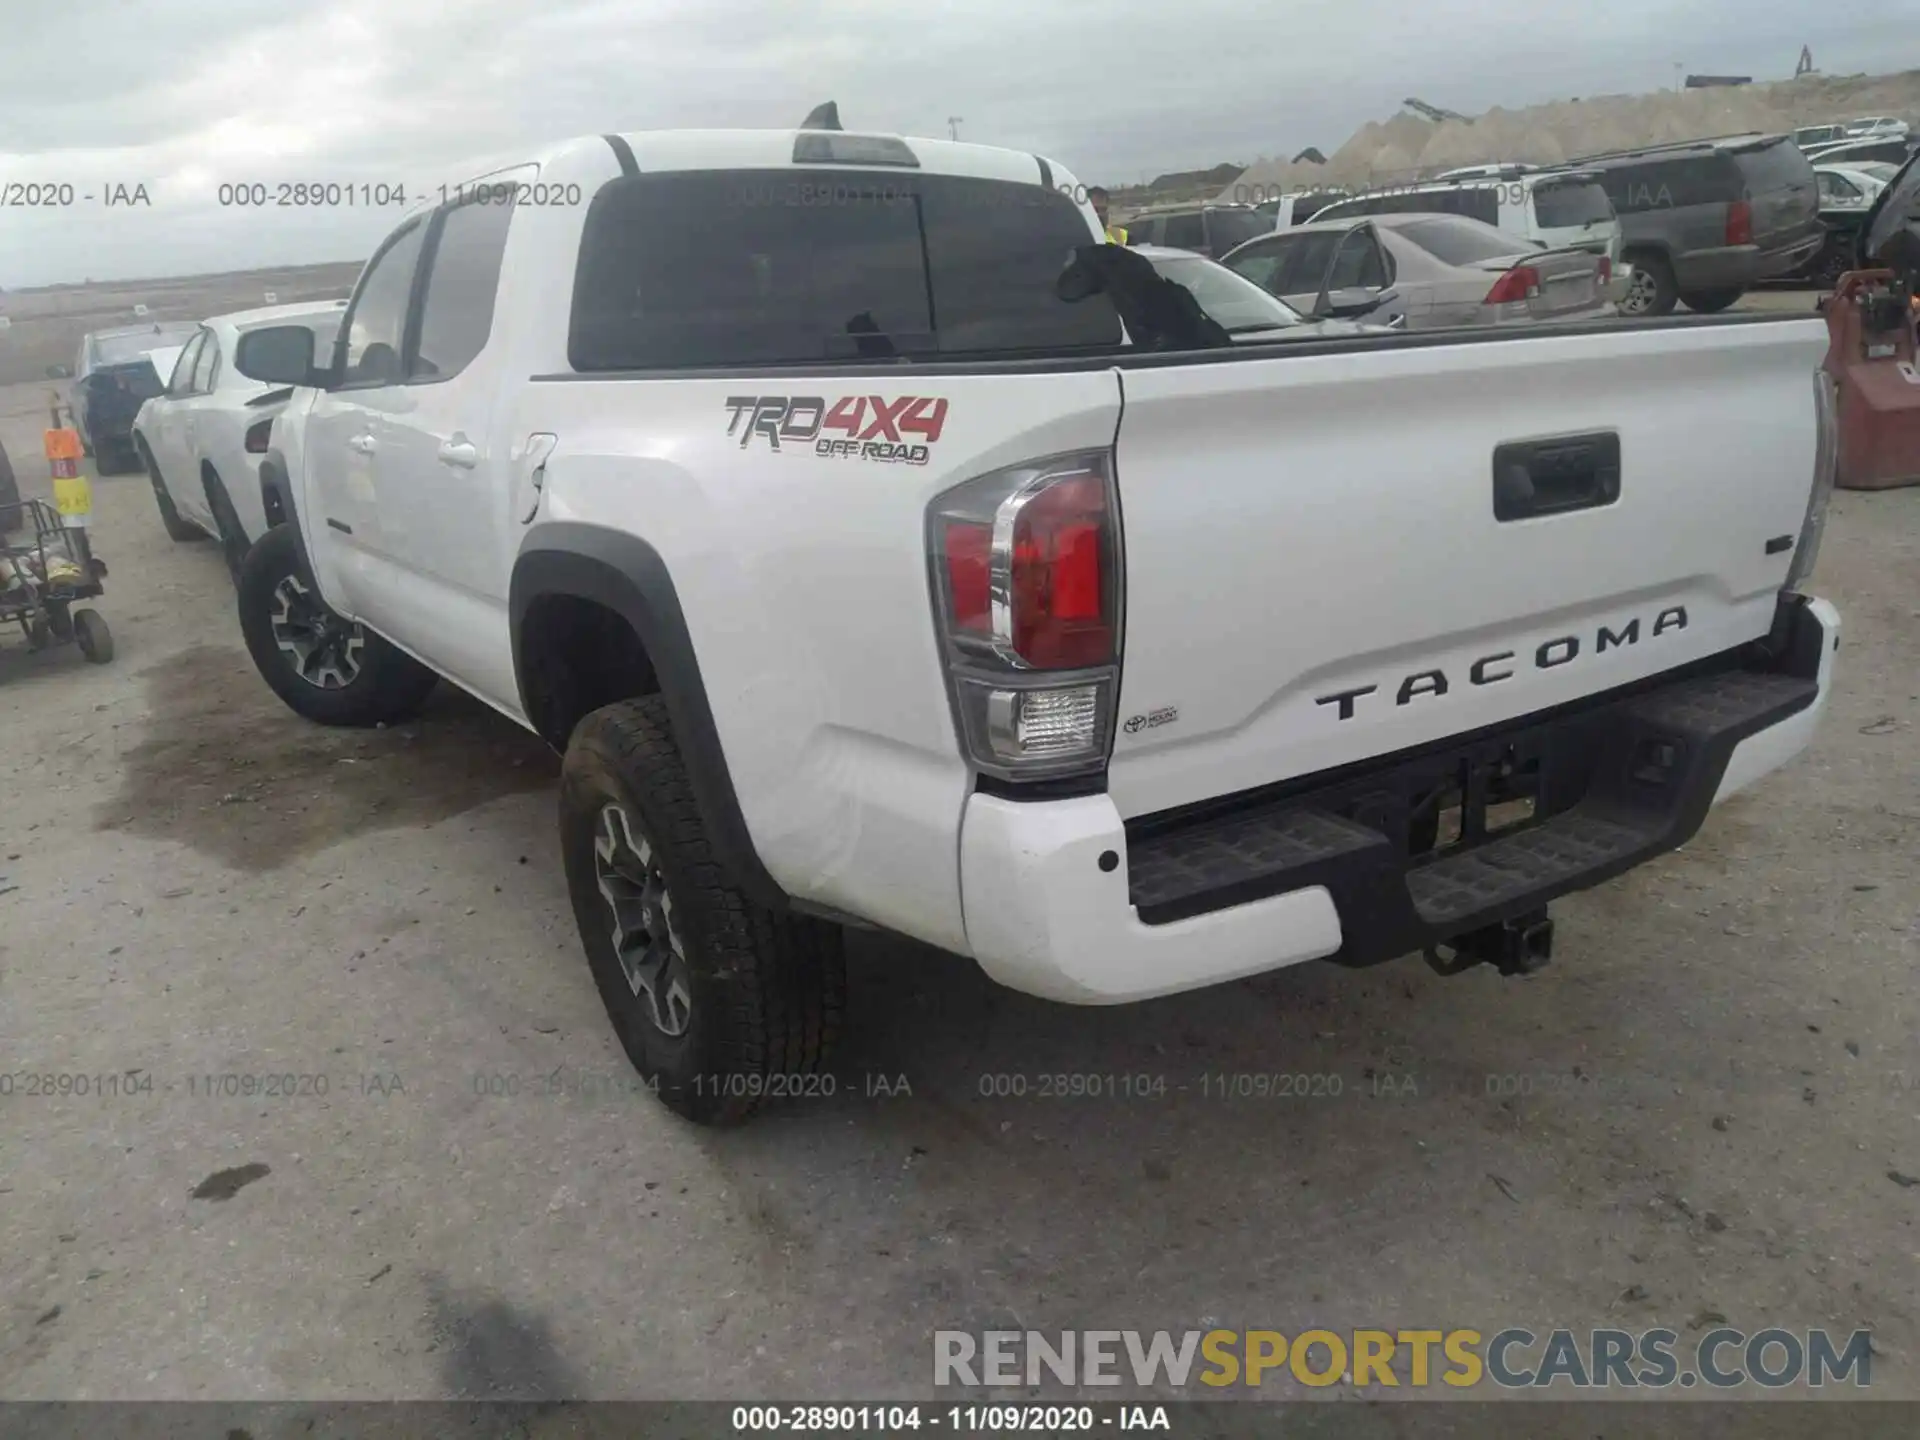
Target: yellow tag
[(73, 496)]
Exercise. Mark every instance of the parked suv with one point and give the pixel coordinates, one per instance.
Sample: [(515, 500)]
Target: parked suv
[(1210, 230), (1705, 221), (1286, 211)]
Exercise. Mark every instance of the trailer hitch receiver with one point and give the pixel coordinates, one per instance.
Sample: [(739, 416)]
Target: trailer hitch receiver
[(1514, 947)]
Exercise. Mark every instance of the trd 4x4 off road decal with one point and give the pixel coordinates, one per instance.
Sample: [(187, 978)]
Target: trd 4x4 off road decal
[(863, 427)]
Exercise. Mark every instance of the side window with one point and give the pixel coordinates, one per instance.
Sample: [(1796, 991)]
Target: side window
[(207, 364), (1186, 232), (1143, 231), (463, 273), (1359, 266), (181, 381), (376, 325), (1482, 202), (1265, 265), (1308, 262)]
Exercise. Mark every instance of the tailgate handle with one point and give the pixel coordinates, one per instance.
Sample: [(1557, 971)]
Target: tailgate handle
[(1552, 477)]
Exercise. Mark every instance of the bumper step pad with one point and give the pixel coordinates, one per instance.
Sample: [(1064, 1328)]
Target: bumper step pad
[(1519, 866), (1635, 776)]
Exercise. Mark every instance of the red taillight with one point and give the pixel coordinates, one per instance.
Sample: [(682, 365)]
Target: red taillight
[(1520, 284), (1027, 585), (1060, 619), (1740, 223), (1606, 270), (1060, 597), (968, 548), (257, 437)]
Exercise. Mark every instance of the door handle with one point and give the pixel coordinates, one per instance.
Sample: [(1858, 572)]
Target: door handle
[(459, 451), (1551, 477), (363, 444)]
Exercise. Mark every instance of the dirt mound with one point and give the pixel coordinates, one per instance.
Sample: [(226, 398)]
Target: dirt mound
[(1454, 142)]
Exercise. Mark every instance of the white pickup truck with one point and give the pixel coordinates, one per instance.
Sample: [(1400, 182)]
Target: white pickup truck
[(798, 489)]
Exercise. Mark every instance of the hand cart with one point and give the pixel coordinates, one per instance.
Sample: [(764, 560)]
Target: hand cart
[(45, 570)]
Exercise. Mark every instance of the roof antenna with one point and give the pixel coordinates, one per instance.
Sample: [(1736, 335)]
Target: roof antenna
[(822, 117)]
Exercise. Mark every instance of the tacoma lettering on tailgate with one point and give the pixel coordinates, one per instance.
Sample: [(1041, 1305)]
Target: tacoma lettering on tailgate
[(1491, 669), (901, 430)]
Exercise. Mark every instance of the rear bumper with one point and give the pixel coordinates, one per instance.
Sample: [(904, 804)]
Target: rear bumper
[(1065, 899), (1738, 267)]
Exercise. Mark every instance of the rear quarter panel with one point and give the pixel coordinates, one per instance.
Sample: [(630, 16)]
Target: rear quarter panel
[(804, 581)]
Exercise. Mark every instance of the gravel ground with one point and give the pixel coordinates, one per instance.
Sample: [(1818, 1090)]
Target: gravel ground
[(1718, 1077)]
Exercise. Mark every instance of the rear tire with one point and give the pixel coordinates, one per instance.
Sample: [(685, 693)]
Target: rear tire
[(110, 458), (1710, 302), (1834, 260), (178, 528), (719, 1003), (1652, 290), (93, 637), (326, 668)]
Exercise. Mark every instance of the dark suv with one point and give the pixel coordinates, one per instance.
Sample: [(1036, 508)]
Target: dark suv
[(1210, 230), (1705, 221), (112, 380)]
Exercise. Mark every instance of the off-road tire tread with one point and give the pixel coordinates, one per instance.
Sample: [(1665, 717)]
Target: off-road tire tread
[(392, 685), (789, 1004)]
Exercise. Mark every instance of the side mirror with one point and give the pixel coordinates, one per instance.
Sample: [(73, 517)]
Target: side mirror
[(1351, 303), (277, 355), (59, 372)]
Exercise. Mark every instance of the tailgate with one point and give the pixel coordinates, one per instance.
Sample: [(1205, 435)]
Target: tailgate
[(1315, 574)]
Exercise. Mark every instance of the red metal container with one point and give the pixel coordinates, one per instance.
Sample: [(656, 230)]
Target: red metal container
[(1872, 361)]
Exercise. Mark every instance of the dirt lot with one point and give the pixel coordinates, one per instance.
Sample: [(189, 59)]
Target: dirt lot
[(1719, 1076)]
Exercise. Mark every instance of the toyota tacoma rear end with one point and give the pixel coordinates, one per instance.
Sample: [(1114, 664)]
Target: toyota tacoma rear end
[(882, 549)]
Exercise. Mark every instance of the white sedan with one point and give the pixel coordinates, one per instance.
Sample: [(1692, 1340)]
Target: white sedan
[(202, 439)]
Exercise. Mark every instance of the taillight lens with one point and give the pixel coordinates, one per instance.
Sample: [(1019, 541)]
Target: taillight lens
[(257, 437), (1517, 286), (1026, 567), (1606, 270), (1740, 223)]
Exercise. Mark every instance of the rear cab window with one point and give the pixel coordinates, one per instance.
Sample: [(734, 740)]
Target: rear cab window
[(684, 269)]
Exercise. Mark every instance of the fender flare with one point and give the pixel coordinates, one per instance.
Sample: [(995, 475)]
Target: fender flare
[(1660, 248), (626, 575), (276, 495)]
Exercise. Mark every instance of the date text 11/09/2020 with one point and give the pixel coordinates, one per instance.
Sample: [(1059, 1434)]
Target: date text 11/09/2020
[(365, 195), (960, 1419)]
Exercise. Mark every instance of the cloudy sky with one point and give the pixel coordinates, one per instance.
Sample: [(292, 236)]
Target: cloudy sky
[(182, 95)]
